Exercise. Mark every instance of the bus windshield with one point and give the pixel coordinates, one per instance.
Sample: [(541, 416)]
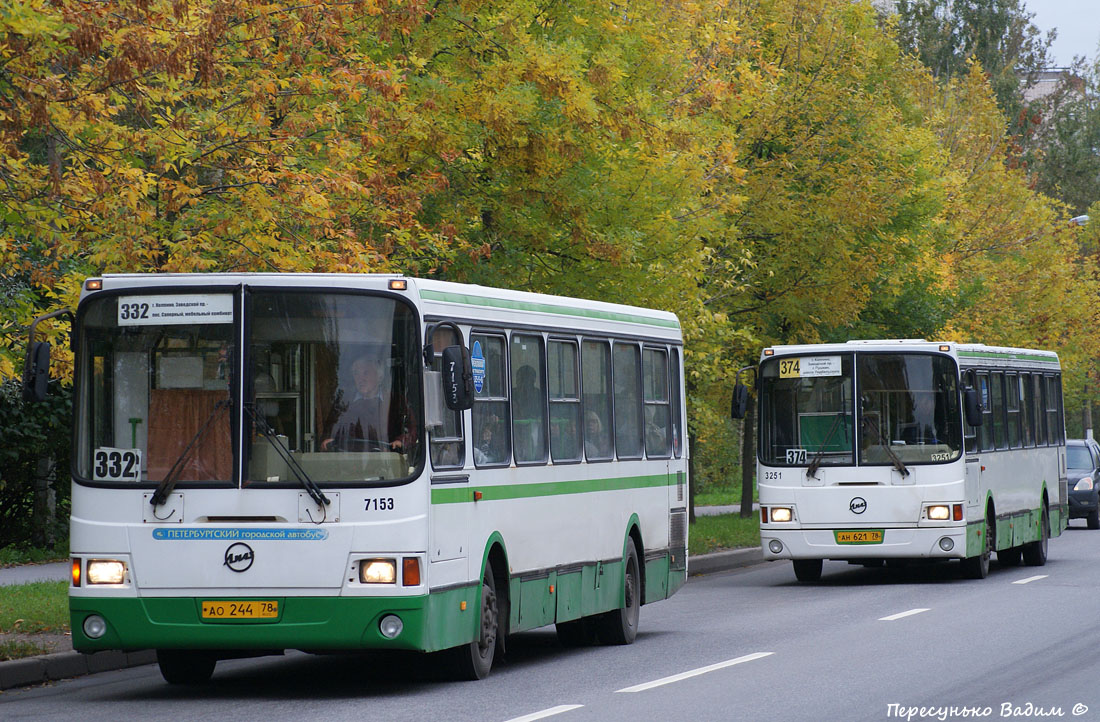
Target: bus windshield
[(908, 412), (331, 389)]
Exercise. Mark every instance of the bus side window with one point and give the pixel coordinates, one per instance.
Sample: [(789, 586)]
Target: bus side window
[(491, 441), (997, 395), (528, 399), (1027, 411), (986, 430), (1012, 406), (970, 433), (628, 402), (1054, 419), (448, 442), (1040, 394), (565, 402), (655, 397), (677, 421), (597, 400)]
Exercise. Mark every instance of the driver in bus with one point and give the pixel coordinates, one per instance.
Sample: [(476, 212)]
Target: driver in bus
[(374, 420)]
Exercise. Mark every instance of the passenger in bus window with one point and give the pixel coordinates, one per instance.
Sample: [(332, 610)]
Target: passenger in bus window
[(490, 447), (375, 420), (596, 444)]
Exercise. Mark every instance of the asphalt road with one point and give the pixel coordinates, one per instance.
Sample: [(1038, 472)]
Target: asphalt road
[(752, 644)]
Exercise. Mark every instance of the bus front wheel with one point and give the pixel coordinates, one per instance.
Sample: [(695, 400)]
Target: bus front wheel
[(807, 570), (185, 666), (474, 660)]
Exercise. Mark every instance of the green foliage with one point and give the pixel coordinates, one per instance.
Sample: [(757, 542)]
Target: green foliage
[(33, 431), (724, 531), (35, 607)]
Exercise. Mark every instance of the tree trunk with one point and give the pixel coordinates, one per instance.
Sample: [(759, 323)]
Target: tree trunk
[(748, 460)]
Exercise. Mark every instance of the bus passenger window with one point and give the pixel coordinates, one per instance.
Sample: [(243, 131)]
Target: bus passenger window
[(658, 419), (565, 402), (596, 389), (628, 403), (528, 399), (447, 443), (490, 412)]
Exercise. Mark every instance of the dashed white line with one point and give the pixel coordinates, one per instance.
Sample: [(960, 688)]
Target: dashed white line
[(1035, 578), (550, 712), (900, 615), (694, 672)]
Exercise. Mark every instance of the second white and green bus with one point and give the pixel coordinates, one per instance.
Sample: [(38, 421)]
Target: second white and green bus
[(515, 460), (894, 451)]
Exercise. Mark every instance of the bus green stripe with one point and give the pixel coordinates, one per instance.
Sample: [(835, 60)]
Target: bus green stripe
[(514, 305), (550, 488), (1052, 358)]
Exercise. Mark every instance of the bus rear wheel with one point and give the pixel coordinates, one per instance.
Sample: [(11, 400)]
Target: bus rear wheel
[(1035, 553), (620, 626), (185, 666), (807, 570)]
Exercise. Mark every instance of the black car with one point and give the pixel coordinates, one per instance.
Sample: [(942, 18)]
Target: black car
[(1083, 473)]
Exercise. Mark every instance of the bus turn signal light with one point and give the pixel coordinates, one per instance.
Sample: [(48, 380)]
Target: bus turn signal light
[(76, 572), (410, 572)]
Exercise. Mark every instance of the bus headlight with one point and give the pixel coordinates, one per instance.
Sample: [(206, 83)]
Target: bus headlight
[(939, 512), (106, 571), (1084, 484), (781, 513), (377, 571)]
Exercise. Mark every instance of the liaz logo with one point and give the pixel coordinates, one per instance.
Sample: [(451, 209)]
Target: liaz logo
[(239, 557), (857, 505)]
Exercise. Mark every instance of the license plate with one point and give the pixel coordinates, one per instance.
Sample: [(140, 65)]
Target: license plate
[(863, 536), (240, 610)]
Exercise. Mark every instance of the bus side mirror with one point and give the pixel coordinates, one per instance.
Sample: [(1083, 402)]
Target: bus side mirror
[(458, 378), (36, 372), (972, 404), (739, 404)]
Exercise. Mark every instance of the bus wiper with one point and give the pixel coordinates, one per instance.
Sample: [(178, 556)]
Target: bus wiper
[(166, 485), (307, 483), (815, 463), (886, 447)]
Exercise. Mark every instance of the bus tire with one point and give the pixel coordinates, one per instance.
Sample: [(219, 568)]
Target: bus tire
[(1093, 519), (1009, 557), (620, 626), (473, 661), (186, 666), (576, 633), (807, 570), (1035, 553), (977, 567)]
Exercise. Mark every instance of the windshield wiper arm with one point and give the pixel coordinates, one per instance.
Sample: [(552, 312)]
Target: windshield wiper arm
[(307, 483), (815, 463), (166, 485), (886, 447)]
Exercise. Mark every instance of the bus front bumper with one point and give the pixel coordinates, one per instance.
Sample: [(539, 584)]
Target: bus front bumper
[(429, 623), (895, 543)]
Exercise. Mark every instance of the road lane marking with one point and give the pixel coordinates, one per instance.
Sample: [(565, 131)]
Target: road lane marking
[(694, 672), (1035, 578), (546, 713), (900, 615)]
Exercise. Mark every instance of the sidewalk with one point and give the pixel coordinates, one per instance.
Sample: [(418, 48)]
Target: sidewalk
[(68, 663)]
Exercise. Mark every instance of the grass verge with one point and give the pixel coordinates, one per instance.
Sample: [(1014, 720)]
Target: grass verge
[(721, 495), (18, 649), (724, 531), (35, 608), (11, 556)]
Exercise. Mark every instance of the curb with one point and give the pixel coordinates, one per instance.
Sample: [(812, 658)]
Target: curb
[(63, 665)]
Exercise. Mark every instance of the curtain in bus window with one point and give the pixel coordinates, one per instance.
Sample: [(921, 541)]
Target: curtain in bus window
[(528, 399), (491, 440), (628, 402), (565, 401), (597, 400)]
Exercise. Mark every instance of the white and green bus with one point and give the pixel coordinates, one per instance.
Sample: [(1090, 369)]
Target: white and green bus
[(343, 462), (894, 451)]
